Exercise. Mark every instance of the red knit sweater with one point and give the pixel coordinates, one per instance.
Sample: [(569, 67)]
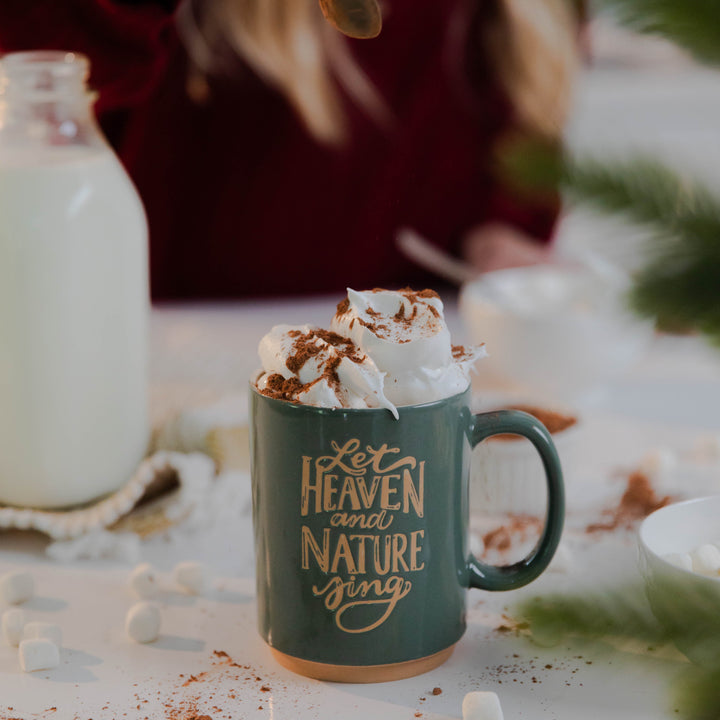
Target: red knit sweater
[(241, 200)]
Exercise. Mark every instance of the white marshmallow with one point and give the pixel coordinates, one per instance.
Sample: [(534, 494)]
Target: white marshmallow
[(191, 577), (144, 581), (43, 630), (38, 654), (481, 706), (142, 622), (706, 560), (16, 587), (706, 448), (659, 462), (477, 546), (13, 622), (681, 560)]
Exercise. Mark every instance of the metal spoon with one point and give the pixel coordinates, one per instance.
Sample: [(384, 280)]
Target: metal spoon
[(354, 18), (432, 258)]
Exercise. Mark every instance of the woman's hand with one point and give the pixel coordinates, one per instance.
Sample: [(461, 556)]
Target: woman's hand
[(496, 246)]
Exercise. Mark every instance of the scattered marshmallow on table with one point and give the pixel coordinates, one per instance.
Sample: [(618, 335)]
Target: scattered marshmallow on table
[(481, 706), (659, 462), (142, 622), (13, 624), (16, 587), (144, 581), (38, 654), (477, 546), (706, 560), (43, 630), (191, 576), (707, 448)]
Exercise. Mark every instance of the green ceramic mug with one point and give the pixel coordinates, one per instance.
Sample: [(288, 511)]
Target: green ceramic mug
[(361, 532)]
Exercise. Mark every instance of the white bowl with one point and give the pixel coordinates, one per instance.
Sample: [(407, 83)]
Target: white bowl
[(686, 603), (554, 332)]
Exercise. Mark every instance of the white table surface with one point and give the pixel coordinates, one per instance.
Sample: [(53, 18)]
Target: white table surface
[(202, 353)]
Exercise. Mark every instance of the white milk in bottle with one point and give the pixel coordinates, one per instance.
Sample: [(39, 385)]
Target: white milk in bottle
[(73, 293)]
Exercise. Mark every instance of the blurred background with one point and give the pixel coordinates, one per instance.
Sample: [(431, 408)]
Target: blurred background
[(640, 93), (640, 223)]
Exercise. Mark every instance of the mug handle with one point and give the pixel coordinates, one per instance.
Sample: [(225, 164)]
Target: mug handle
[(509, 577)]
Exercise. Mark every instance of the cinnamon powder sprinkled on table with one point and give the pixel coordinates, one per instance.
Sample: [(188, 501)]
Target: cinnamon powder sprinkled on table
[(636, 503), (553, 420), (522, 670), (211, 694), (517, 529), (498, 539)]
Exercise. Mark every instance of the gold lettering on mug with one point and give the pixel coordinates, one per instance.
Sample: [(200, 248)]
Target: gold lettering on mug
[(369, 567), (379, 521), (339, 597), (311, 545), (355, 493)]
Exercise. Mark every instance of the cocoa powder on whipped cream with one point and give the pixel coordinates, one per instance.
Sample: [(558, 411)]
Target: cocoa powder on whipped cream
[(384, 348), (401, 317), (305, 347)]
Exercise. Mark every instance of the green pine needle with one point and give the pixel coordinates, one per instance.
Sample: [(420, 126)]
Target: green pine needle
[(696, 694), (622, 612), (648, 192), (692, 24), (679, 286)]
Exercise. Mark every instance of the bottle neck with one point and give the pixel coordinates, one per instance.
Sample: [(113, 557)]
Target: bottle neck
[(44, 101)]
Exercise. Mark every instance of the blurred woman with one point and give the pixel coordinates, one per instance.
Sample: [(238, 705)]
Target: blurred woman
[(276, 156)]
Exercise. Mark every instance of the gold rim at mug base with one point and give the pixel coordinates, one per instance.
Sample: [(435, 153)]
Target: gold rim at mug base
[(362, 673)]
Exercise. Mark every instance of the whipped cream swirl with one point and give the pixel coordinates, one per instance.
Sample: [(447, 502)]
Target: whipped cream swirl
[(405, 333), (384, 349), (316, 367)]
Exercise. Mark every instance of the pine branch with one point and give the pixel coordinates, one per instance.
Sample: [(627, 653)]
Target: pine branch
[(623, 613), (680, 284), (645, 190), (696, 694), (692, 24), (641, 188), (620, 612), (680, 290)]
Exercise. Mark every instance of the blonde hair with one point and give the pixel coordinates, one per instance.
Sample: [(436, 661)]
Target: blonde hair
[(534, 48), (290, 45)]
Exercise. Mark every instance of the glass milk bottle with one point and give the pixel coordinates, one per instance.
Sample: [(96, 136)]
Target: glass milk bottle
[(73, 293)]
